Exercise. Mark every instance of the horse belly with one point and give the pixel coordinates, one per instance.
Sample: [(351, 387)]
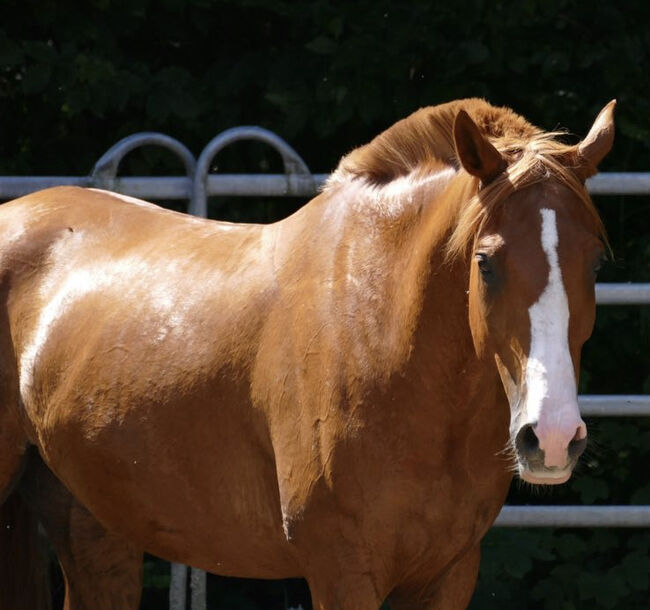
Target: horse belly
[(200, 489)]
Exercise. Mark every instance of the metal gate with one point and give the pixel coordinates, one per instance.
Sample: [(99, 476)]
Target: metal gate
[(198, 184)]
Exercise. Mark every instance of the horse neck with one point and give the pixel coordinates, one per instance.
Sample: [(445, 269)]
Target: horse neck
[(400, 308), (441, 342)]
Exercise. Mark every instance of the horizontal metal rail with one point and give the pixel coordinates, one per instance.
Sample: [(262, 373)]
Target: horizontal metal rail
[(17, 186), (574, 516), (262, 185), (620, 183), (611, 293), (169, 187), (615, 405)]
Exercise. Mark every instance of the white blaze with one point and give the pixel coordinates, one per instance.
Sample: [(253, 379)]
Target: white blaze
[(551, 401)]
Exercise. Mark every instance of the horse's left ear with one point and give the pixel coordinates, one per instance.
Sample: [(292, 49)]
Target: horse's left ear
[(593, 149), (475, 153)]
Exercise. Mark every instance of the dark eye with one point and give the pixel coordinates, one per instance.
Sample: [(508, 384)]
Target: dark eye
[(600, 261), (486, 267), (483, 263)]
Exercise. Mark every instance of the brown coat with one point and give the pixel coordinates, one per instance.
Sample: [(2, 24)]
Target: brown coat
[(305, 398)]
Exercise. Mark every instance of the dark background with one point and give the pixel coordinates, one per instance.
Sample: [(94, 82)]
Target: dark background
[(328, 76)]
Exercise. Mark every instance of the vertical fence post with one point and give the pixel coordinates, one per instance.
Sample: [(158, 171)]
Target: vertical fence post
[(198, 582), (178, 587)]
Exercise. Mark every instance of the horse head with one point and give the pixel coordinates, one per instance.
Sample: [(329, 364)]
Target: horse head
[(536, 245)]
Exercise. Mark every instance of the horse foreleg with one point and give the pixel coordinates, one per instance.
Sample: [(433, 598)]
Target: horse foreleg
[(100, 569), (452, 591), (345, 579), (23, 566), (13, 444), (343, 593)]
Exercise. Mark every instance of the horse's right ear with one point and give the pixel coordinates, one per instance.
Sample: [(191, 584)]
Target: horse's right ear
[(475, 153)]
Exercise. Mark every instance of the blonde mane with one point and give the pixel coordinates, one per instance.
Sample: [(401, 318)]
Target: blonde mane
[(424, 142)]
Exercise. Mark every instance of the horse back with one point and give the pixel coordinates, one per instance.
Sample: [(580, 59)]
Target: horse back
[(80, 266)]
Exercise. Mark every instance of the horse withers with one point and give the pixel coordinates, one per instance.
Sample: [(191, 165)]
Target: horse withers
[(342, 396)]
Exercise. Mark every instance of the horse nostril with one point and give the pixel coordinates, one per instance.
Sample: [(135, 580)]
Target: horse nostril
[(577, 446), (526, 441)]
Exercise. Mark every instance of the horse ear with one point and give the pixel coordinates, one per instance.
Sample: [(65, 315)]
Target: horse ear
[(475, 153), (599, 140)]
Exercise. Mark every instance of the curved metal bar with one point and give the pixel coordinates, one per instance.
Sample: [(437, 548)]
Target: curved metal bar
[(105, 170), (298, 177)]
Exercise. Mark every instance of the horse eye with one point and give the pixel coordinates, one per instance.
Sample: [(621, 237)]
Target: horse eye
[(483, 263), (600, 261)]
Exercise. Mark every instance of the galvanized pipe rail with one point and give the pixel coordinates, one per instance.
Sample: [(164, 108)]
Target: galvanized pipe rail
[(265, 185), (574, 516), (197, 184)]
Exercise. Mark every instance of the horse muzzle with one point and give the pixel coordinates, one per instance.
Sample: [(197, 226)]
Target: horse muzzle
[(547, 457)]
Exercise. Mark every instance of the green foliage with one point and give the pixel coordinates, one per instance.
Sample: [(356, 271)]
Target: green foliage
[(156, 575), (328, 76), (335, 72), (545, 569)]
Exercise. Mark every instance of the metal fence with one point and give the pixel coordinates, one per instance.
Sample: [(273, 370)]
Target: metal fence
[(197, 184)]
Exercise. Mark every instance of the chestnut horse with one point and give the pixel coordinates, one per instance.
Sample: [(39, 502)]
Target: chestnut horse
[(327, 397)]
